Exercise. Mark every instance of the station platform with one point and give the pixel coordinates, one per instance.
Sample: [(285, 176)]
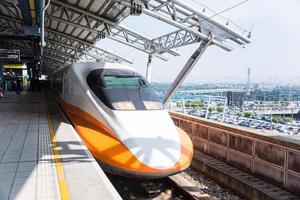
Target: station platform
[(41, 155)]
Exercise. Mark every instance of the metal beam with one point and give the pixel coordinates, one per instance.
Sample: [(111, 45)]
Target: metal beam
[(24, 47), (175, 39), (88, 45), (111, 29), (187, 69), (207, 18), (17, 26), (55, 59), (82, 51), (43, 22), (187, 29), (188, 20), (9, 36), (97, 50), (59, 56), (89, 50), (59, 53), (64, 48)]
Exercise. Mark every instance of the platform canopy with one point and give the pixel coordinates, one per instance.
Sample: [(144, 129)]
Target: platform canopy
[(56, 33)]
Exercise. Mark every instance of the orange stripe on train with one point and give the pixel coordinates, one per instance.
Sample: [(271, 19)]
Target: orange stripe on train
[(104, 146)]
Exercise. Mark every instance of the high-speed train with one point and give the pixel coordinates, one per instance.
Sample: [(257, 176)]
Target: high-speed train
[(121, 120)]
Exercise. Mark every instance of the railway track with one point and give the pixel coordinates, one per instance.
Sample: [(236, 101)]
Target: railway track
[(244, 184), (160, 189), (178, 188)]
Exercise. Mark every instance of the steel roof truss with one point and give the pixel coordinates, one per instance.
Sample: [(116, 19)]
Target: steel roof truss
[(111, 29), (188, 19), (78, 53), (84, 46)]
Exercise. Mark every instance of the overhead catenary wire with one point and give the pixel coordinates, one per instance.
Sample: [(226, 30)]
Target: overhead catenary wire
[(223, 11), (227, 9)]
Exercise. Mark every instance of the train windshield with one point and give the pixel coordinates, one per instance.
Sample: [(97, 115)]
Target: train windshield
[(123, 90), (123, 81)]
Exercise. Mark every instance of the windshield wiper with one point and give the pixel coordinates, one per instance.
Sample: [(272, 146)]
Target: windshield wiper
[(142, 87)]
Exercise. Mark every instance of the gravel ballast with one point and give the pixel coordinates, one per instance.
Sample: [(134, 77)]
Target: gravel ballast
[(209, 186)]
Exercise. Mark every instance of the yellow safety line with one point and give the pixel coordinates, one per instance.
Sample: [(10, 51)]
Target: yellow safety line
[(64, 192)]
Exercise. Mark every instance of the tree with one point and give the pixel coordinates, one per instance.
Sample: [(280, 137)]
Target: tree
[(201, 104), (220, 109), (288, 119), (276, 119), (247, 114), (194, 103), (210, 109), (238, 114)]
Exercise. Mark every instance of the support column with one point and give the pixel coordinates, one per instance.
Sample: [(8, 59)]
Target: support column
[(43, 43), (170, 105), (1, 73), (224, 109), (207, 108), (148, 71), (183, 106), (187, 68)]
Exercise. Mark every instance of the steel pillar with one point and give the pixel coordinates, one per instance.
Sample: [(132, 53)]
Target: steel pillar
[(207, 108), (187, 68), (183, 106), (170, 105), (224, 109), (1, 74), (149, 68), (43, 43)]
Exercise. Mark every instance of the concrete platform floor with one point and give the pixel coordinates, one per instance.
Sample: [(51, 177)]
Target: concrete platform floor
[(28, 167)]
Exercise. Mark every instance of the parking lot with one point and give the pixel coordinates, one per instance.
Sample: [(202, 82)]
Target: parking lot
[(250, 115)]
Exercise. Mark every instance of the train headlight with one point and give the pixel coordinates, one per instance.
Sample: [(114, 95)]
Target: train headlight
[(124, 105), (152, 105)]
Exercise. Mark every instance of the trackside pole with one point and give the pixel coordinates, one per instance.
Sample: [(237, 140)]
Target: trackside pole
[(207, 108), (183, 106), (224, 109), (148, 72), (187, 68)]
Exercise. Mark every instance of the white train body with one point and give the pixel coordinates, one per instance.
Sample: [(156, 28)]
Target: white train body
[(121, 120)]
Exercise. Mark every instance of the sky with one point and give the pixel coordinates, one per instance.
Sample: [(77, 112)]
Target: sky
[(273, 54)]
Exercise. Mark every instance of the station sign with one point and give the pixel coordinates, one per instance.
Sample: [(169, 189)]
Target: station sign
[(14, 66), (9, 55)]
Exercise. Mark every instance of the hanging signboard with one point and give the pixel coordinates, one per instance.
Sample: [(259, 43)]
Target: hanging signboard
[(9, 55), (14, 66)]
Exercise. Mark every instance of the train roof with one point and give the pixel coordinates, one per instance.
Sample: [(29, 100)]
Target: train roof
[(88, 66)]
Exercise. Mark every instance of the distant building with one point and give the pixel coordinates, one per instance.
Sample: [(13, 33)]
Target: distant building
[(235, 98)]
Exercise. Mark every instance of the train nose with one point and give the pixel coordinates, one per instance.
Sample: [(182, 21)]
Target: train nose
[(152, 138), (158, 153), (161, 154)]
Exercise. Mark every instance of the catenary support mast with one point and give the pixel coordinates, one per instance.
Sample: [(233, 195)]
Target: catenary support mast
[(187, 68)]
